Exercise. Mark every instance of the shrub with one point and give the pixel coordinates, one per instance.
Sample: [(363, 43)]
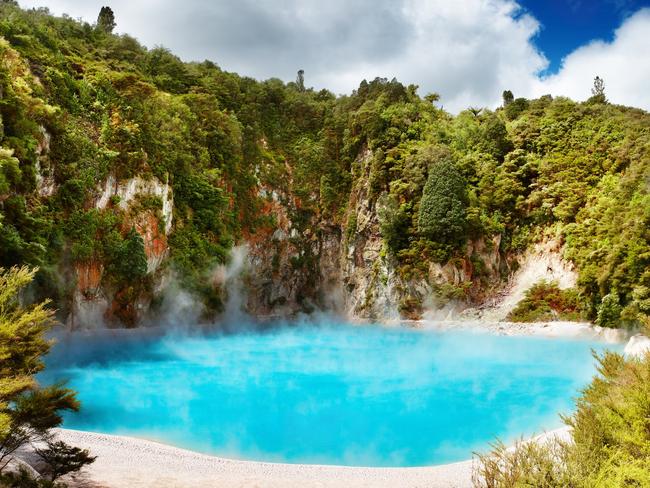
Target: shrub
[(546, 301), (351, 226), (62, 459), (9, 170), (609, 311), (71, 194), (128, 261), (528, 464), (611, 438), (394, 223), (410, 307), (516, 108), (25, 479), (611, 425)]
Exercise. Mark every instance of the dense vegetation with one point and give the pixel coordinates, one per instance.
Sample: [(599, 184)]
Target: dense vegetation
[(611, 439), (27, 410), (227, 143)]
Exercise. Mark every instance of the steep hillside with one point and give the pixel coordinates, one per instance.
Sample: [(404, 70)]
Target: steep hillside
[(124, 170)]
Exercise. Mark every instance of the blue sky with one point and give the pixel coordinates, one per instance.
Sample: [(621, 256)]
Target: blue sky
[(569, 24), (468, 51)]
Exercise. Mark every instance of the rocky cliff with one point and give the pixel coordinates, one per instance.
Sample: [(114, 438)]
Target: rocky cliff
[(345, 268), (96, 302), (320, 266)]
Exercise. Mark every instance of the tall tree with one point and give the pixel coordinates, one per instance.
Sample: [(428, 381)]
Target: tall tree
[(598, 90), (508, 98), (106, 20), (27, 411), (443, 206), (300, 80)]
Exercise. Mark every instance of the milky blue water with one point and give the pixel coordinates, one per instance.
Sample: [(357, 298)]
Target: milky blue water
[(332, 394)]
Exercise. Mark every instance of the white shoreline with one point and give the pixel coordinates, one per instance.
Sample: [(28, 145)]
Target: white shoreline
[(551, 329), (127, 462)]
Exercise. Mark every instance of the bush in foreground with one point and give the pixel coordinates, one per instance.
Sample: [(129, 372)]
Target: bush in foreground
[(27, 410), (528, 464), (611, 438)]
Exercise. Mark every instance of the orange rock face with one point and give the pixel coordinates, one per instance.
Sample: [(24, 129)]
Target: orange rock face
[(155, 240), (262, 234), (89, 277)]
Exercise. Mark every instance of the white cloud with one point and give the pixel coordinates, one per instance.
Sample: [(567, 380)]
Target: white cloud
[(624, 64), (469, 51)]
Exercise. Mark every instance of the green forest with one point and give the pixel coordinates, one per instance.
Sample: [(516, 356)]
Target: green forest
[(103, 104)]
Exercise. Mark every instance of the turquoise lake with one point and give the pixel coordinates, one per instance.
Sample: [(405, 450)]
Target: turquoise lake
[(327, 394)]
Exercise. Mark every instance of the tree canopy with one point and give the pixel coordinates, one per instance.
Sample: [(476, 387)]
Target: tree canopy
[(106, 20), (27, 410)]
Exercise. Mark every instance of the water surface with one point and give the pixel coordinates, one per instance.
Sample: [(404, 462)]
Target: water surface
[(331, 394)]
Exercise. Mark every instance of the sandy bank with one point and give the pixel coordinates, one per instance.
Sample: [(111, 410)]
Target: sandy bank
[(125, 462), (551, 329)]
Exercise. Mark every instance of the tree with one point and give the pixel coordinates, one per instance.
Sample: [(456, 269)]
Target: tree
[(609, 312), (106, 20), (493, 137), (599, 86), (21, 346), (515, 108), (598, 91), (27, 411), (508, 98), (129, 261), (300, 80), (394, 223), (62, 459), (168, 71), (308, 168), (443, 206), (432, 97)]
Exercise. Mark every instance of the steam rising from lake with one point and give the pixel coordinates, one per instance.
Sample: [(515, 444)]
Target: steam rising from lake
[(322, 392)]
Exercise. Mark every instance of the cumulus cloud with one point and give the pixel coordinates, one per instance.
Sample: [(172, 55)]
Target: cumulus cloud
[(469, 51), (624, 64)]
